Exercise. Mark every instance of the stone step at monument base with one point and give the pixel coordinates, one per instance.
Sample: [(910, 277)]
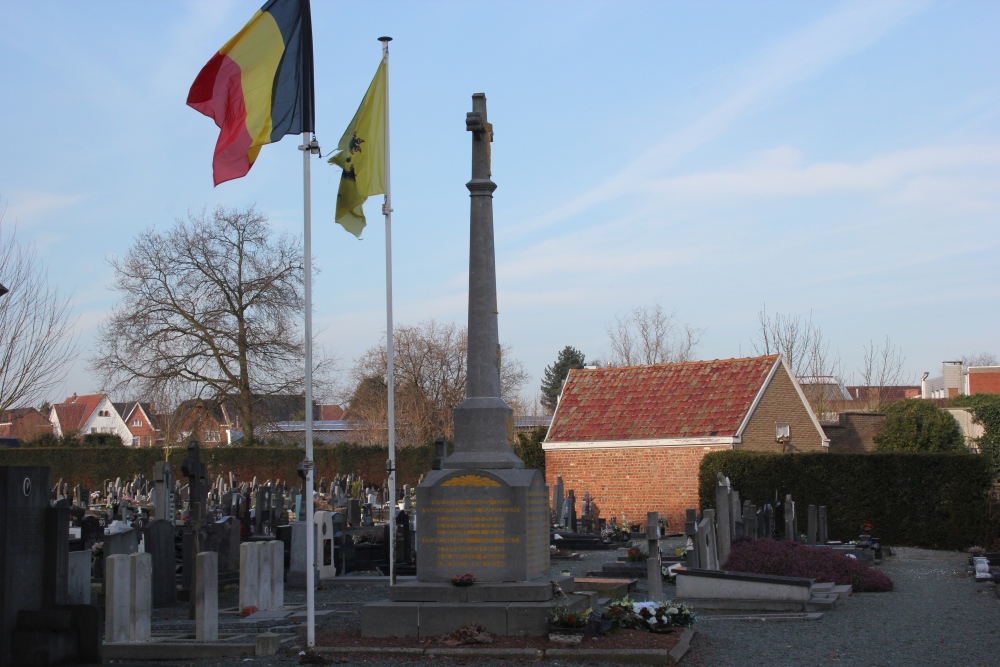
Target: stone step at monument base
[(606, 587), (743, 605), (822, 602), (777, 616), (535, 590), (830, 587), (629, 570), (387, 618)]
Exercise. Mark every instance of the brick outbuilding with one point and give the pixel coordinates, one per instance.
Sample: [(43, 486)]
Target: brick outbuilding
[(634, 437)]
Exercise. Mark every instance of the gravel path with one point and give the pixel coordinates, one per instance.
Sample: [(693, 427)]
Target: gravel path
[(937, 615)]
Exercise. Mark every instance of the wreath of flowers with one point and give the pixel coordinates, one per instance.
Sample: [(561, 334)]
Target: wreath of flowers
[(651, 616)]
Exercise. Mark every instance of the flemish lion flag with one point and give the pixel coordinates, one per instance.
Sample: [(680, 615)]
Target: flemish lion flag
[(361, 155), (259, 86)]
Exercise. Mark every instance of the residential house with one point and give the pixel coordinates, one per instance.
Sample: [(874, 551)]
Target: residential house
[(24, 424), (139, 419), (634, 437), (91, 413)]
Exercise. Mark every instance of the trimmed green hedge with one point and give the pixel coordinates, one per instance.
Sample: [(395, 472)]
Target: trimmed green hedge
[(91, 466), (937, 501)]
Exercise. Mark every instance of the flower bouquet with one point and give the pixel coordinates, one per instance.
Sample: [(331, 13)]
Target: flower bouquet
[(650, 616), (463, 580)]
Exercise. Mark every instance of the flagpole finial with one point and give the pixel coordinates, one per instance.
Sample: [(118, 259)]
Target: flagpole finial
[(385, 39)]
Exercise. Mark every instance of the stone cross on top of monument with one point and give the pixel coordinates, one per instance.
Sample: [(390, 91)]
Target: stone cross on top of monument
[(481, 420)]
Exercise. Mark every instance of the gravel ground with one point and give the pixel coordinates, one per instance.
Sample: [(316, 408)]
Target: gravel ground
[(937, 615)]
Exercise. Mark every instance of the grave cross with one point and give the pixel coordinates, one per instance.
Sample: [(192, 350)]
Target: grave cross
[(194, 470)]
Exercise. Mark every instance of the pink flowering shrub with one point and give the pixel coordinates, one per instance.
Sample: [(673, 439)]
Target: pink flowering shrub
[(792, 559)]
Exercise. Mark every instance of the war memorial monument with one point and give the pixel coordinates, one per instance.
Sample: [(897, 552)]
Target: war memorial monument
[(482, 512)]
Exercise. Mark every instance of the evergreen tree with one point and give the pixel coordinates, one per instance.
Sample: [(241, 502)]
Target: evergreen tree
[(915, 425), (555, 375)]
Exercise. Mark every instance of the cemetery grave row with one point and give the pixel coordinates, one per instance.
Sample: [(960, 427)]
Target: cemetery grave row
[(150, 542)]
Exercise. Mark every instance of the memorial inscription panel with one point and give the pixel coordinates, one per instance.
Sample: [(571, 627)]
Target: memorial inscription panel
[(478, 522)]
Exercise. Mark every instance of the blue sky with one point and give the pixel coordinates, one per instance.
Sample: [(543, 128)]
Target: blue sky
[(836, 158)]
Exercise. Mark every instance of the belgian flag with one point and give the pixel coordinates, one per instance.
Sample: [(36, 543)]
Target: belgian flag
[(259, 86)]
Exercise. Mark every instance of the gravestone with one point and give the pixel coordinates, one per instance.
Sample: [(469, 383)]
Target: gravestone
[(159, 543), (751, 520), (227, 535), (24, 496), (791, 525), (691, 532), (354, 512), (823, 533), (206, 593), (654, 577), (557, 499), (78, 577), (705, 544), (55, 556), (811, 525), (325, 557), (735, 515), (723, 509), (768, 522), (571, 513)]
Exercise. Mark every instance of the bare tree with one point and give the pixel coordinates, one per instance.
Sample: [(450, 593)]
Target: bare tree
[(880, 370), (800, 341), (213, 305), (430, 374), (980, 359), (648, 335), (37, 343)]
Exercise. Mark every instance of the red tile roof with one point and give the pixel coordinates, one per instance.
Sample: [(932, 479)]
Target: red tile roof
[(76, 410), (688, 400), (72, 416)]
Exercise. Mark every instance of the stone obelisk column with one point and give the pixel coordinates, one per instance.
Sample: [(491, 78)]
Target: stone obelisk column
[(482, 513), (481, 420)]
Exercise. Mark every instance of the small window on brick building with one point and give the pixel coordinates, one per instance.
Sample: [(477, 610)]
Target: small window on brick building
[(782, 433), (135, 441), (136, 422), (211, 436)]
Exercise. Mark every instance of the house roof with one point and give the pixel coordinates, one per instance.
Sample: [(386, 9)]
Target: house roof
[(71, 416), (889, 393), (14, 414), (686, 400)]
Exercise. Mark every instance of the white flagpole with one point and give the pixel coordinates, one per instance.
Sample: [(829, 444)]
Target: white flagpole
[(389, 351), (307, 148)]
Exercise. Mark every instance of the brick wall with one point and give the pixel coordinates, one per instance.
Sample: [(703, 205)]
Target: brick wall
[(855, 432), (781, 404), (633, 480), (984, 380)]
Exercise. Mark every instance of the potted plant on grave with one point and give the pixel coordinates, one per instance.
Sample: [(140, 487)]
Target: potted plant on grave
[(636, 555), (565, 621)]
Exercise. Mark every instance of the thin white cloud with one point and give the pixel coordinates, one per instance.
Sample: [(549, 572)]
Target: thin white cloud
[(853, 27), (779, 173), (26, 207)]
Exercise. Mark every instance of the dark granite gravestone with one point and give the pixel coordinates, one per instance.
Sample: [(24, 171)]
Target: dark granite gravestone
[(56, 556), (768, 522), (571, 504), (160, 544), (227, 533), (354, 512), (24, 496)]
